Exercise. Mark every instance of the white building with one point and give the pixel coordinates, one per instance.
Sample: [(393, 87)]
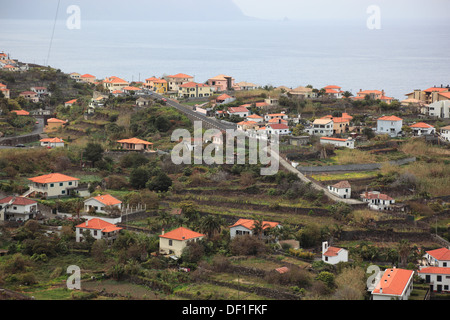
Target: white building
[(242, 112), (321, 127), (52, 142), (421, 128), (440, 109), (394, 284), (255, 118), (173, 242), (98, 228), (438, 257), (246, 226), (99, 203), (333, 255), (390, 125), (53, 185), (17, 208), (341, 189), (437, 277), (277, 129), (445, 133), (271, 116), (377, 201), (347, 143)]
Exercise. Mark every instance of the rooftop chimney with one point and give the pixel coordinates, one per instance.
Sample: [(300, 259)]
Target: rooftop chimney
[(162, 232)]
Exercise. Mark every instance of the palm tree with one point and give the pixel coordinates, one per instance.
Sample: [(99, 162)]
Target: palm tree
[(211, 224), (259, 226), (403, 248)]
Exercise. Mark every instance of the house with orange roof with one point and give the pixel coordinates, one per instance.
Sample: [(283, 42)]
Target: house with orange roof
[(271, 116), (242, 112), (52, 142), (30, 96), (10, 68), (21, 112), (114, 83), (244, 85), (224, 99), (438, 109), (333, 92), (373, 95), (377, 200), (98, 228), (175, 81), (53, 124), (390, 125), (430, 95), (445, 133), (135, 144), (393, 284), (438, 257), (194, 90), (221, 83), (87, 78), (256, 118), (70, 103), (131, 90), (333, 255), (421, 128), (4, 90), (173, 242), (437, 277), (156, 85), (321, 127), (101, 202), (14, 208), (247, 226), (53, 185), (338, 142), (342, 189), (245, 125), (340, 124)]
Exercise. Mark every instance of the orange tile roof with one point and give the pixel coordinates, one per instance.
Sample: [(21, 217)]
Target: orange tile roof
[(282, 270), (249, 224), (247, 123), (390, 118), (181, 234), (52, 140), (71, 101), (180, 75), (440, 254), (421, 125), (332, 252), (435, 270), (333, 139), (52, 178), (277, 115), (107, 200), (237, 109), (370, 91), (129, 88), (342, 185), (445, 94), (381, 196), (151, 79), (21, 112), (193, 84), (54, 120), (332, 87), (394, 281), (134, 141), (255, 116), (114, 79), (98, 224), (435, 89), (277, 120), (223, 97), (278, 126), (19, 201), (87, 75)]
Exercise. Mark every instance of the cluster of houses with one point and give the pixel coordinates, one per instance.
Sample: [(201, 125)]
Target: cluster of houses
[(11, 65)]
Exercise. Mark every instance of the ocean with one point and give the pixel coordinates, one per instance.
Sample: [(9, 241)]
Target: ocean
[(397, 58)]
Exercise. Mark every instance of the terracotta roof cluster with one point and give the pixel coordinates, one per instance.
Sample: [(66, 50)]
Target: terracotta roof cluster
[(99, 224)]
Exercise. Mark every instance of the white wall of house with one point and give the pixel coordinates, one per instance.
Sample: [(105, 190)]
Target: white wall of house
[(344, 193), (389, 127), (97, 205), (440, 109), (342, 255), (432, 261), (175, 247), (22, 212), (435, 280), (349, 143), (55, 189)]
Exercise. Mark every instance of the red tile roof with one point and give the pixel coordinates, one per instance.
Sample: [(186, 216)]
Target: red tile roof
[(390, 118), (87, 75), (71, 101), (333, 139), (342, 185), (237, 109), (223, 97), (435, 89), (99, 224), (278, 126), (19, 201), (21, 112), (181, 234), (440, 254), (52, 178), (435, 270), (332, 252), (52, 140), (394, 281), (249, 224), (134, 141), (180, 75), (421, 125), (54, 120), (193, 84), (107, 200), (380, 196)]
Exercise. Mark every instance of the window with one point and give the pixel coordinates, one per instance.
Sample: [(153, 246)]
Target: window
[(439, 278), (444, 264), (52, 185), (70, 183), (61, 184), (95, 232), (63, 192), (170, 243)]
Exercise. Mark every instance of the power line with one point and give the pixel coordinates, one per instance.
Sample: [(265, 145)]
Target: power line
[(53, 32)]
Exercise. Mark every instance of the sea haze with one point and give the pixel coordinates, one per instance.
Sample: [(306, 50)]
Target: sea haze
[(397, 58)]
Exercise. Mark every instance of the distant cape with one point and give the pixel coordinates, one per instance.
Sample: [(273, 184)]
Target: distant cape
[(133, 10)]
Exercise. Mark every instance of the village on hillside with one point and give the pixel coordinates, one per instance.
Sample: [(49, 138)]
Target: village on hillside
[(86, 179)]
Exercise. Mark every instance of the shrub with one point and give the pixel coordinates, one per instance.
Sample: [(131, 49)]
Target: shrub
[(247, 245)]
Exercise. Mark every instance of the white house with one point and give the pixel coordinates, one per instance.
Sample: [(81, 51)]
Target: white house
[(53, 185), (377, 201), (440, 109), (255, 118), (394, 284), (242, 112), (99, 203), (437, 277), (41, 91), (246, 226), (341, 189), (52, 142), (445, 133), (390, 125), (17, 208), (321, 127), (438, 257), (277, 129), (421, 128), (333, 255), (347, 143), (224, 99), (271, 116), (173, 242), (98, 228)]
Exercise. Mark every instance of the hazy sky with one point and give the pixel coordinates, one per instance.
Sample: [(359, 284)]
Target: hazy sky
[(344, 9)]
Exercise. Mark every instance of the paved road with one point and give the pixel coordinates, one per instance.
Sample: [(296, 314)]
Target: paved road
[(38, 129), (211, 122)]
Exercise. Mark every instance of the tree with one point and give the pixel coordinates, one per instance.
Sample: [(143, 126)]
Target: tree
[(211, 224), (93, 152), (161, 182), (403, 248), (139, 177), (298, 130), (368, 132)]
